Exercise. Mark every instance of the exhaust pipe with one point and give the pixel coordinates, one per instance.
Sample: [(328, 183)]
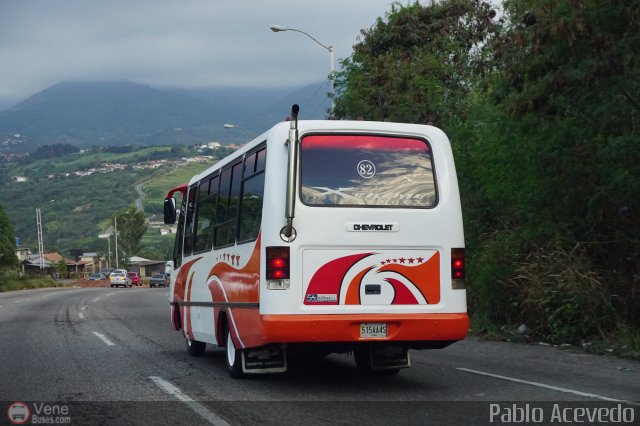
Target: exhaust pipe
[(288, 233)]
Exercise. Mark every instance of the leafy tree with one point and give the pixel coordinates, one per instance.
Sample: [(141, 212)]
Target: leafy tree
[(131, 227), (564, 166), (8, 257), (543, 109), (417, 64)]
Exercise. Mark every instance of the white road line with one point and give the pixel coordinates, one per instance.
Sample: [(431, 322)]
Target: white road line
[(110, 294), (203, 411), (96, 299), (104, 338), (80, 315), (20, 300), (48, 295), (551, 387), (84, 307)]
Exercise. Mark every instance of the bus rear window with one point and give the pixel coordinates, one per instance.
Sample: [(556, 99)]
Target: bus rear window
[(364, 170)]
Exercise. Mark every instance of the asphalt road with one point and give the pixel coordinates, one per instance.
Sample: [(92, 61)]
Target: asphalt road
[(110, 356)]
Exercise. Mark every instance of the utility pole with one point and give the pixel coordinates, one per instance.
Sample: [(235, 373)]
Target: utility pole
[(115, 221), (40, 241)]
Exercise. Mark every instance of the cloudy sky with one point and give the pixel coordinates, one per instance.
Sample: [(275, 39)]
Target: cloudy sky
[(178, 43)]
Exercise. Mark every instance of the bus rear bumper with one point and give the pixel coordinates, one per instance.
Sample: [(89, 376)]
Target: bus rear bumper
[(346, 328)]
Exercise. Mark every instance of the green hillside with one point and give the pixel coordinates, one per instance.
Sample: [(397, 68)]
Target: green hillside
[(77, 203)]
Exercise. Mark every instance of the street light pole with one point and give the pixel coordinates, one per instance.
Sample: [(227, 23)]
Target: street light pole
[(235, 126), (280, 28)]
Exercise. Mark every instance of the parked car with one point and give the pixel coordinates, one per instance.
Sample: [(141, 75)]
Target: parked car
[(158, 280), (120, 278), (97, 277), (135, 278)]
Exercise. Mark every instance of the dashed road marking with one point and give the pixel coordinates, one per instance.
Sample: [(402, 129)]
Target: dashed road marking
[(104, 338), (96, 299), (203, 411), (80, 315), (84, 307)]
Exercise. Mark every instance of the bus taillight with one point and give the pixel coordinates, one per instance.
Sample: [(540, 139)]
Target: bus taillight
[(458, 269), (277, 268)]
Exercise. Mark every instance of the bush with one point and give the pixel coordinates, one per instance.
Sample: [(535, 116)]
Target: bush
[(10, 281), (560, 298)]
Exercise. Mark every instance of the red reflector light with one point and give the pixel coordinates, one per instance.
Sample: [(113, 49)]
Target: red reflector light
[(457, 264), (277, 263), (276, 274)]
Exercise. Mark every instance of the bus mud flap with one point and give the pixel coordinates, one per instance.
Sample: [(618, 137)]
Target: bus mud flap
[(266, 359), (388, 357)]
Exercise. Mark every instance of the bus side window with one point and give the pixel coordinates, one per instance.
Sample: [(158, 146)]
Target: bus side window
[(227, 209), (252, 197), (188, 226), (205, 214)]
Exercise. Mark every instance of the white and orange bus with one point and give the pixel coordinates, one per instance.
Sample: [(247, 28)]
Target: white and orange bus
[(320, 237)]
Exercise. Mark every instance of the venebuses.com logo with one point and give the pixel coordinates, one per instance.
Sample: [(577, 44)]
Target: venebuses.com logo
[(19, 413)]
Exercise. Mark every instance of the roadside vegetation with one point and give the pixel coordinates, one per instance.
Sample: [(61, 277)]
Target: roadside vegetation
[(10, 281), (542, 105)]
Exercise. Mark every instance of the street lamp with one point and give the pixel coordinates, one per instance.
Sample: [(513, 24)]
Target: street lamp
[(233, 126), (280, 28)]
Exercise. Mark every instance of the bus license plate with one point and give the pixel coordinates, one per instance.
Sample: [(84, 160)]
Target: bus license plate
[(373, 329)]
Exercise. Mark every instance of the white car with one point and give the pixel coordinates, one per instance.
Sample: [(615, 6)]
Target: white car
[(120, 278)]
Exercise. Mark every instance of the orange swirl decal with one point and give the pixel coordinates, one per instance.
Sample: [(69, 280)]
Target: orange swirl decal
[(181, 280), (245, 280), (328, 279), (425, 276), (398, 281)]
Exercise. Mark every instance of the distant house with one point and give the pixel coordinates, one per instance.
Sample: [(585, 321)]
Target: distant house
[(32, 265), (146, 267), (91, 261)]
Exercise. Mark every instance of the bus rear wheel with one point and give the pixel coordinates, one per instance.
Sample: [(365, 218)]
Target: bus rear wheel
[(233, 357)]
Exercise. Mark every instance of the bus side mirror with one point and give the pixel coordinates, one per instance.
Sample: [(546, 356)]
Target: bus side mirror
[(169, 211)]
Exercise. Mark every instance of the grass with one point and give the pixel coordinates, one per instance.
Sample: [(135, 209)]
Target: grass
[(10, 281), (157, 186)]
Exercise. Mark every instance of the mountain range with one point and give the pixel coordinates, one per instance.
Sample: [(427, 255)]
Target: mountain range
[(126, 113)]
